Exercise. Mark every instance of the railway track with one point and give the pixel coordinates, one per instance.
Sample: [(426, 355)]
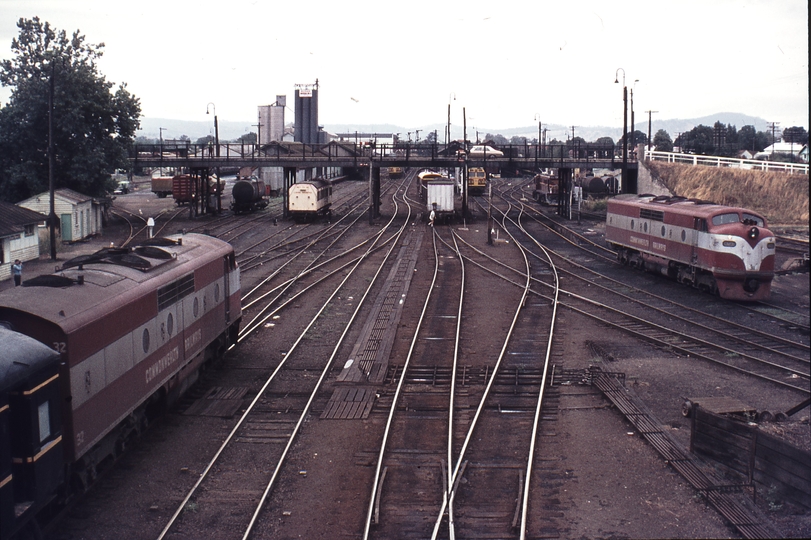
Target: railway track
[(234, 488), (302, 463), (674, 326)]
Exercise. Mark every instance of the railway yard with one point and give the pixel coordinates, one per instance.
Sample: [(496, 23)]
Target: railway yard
[(388, 382)]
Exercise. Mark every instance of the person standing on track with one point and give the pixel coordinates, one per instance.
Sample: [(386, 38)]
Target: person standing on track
[(431, 218), (17, 272)]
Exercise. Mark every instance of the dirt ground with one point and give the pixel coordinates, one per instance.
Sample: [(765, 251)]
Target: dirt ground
[(613, 484)]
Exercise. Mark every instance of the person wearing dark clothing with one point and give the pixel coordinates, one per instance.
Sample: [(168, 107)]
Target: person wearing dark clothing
[(17, 272)]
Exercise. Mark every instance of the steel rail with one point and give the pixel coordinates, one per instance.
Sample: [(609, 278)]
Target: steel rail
[(259, 320), (680, 306), (453, 481), (328, 364), (390, 418), (701, 342), (555, 224), (256, 399)]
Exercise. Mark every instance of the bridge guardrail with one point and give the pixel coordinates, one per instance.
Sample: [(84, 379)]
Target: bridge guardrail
[(720, 161)]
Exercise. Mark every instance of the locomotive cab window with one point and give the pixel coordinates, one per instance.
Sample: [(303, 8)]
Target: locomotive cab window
[(723, 219), (44, 417), (752, 219)]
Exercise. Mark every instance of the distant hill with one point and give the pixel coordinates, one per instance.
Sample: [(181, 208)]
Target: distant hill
[(231, 130)]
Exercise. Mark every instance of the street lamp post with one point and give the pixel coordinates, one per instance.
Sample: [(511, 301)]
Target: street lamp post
[(217, 153), (538, 150), (448, 132), (633, 123), (624, 126)]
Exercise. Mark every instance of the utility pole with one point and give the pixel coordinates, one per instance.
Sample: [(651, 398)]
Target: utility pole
[(650, 141), (773, 126), (52, 215)]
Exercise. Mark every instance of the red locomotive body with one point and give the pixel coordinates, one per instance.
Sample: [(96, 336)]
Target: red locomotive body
[(721, 249), (132, 328), (546, 189)]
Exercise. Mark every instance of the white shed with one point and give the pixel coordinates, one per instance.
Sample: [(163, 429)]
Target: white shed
[(80, 216)]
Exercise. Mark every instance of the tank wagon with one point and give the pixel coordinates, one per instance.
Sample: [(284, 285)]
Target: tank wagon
[(307, 200), (725, 250), (248, 194), (92, 353)]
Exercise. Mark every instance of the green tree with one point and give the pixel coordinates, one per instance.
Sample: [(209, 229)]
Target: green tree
[(751, 139), (662, 141), (698, 140), (93, 123), (497, 139), (795, 134), (247, 138)]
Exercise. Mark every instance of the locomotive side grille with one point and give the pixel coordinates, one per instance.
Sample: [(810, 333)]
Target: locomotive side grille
[(175, 291), (655, 215)]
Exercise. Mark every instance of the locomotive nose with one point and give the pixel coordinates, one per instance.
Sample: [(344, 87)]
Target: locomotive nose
[(754, 232)]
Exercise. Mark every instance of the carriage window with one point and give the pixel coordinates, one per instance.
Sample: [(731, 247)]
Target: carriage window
[(646, 226), (145, 340), (663, 231), (44, 413), (632, 224), (722, 219), (683, 235)]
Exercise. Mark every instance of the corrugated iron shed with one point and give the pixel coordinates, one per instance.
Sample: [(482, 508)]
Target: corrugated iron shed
[(14, 218)]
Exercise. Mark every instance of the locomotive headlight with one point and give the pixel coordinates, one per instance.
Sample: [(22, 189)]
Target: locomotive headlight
[(754, 232), (729, 243)]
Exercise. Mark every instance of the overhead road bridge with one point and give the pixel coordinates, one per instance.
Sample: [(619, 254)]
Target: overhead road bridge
[(293, 156)]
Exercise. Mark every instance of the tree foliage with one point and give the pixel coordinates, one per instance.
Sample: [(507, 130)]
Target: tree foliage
[(662, 141), (93, 123), (723, 140), (795, 134)]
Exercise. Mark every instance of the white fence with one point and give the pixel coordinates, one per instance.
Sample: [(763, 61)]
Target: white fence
[(717, 161)]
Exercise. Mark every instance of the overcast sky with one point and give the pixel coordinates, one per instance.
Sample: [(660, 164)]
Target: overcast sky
[(509, 63)]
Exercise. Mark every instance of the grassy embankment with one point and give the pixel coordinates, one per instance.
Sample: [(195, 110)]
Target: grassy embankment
[(781, 198)]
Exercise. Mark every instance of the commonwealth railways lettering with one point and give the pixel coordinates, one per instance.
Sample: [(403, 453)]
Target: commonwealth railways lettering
[(161, 364)]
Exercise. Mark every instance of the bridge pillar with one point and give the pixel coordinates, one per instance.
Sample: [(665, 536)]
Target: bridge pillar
[(565, 192), (374, 192), (289, 180)]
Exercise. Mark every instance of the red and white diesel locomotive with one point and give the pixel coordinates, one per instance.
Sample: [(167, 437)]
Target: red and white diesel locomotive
[(725, 250), (91, 353)]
